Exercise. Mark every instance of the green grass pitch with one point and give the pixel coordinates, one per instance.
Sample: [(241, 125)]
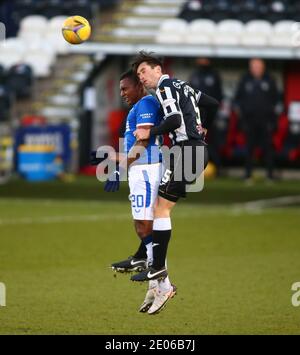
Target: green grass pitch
[(233, 265)]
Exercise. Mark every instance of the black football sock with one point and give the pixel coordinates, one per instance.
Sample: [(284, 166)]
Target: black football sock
[(161, 236), (141, 252)]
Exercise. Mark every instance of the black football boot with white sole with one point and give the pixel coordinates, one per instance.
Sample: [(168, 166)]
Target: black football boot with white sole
[(150, 274), (131, 264)]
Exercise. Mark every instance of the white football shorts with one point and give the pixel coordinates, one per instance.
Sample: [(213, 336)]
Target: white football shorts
[(143, 181)]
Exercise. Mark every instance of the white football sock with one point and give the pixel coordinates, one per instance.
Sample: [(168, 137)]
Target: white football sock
[(153, 284), (164, 285), (149, 252)]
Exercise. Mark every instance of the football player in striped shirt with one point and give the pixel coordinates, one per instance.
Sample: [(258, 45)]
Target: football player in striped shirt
[(180, 104)]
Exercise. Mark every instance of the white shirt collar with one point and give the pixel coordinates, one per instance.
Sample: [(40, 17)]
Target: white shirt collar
[(162, 78)]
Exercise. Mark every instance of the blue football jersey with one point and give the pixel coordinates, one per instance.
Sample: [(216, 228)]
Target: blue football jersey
[(144, 113)]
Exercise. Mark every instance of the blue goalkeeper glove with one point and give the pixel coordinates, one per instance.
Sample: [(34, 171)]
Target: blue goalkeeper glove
[(113, 182)]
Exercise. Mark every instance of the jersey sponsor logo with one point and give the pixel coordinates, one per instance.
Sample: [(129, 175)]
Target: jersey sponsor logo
[(177, 85), (162, 90), (146, 115)]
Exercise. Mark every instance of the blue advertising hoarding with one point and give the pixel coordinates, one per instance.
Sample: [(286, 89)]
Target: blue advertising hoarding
[(56, 135)]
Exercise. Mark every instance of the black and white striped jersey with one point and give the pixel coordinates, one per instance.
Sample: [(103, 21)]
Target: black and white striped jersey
[(177, 97)]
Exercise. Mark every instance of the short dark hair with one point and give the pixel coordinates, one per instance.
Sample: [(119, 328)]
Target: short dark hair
[(130, 74), (148, 57)]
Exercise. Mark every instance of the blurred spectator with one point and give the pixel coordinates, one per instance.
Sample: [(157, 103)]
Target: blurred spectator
[(256, 100), (206, 79), (7, 17), (19, 80), (5, 104)]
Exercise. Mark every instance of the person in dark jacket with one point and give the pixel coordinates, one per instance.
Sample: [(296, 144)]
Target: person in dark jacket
[(256, 100), (207, 79)]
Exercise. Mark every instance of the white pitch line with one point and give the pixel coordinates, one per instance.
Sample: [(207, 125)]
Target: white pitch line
[(206, 211), (118, 217), (63, 219), (50, 202), (251, 207), (268, 203)]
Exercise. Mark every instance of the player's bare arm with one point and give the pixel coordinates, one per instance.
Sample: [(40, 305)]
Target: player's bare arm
[(171, 123), (137, 149)]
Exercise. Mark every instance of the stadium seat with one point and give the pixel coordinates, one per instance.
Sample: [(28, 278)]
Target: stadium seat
[(57, 42), (34, 23), (283, 33), (228, 33), (172, 31), (259, 27), (284, 26), (226, 39), (39, 45), (9, 57), (254, 39), (15, 43), (200, 38), (257, 33), (11, 52), (40, 63), (55, 23), (203, 25), (200, 32), (32, 28), (230, 26)]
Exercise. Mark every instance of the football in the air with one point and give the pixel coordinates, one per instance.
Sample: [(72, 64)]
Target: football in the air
[(76, 29)]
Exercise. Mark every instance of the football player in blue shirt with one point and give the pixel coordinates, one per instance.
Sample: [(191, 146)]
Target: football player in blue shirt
[(144, 174)]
